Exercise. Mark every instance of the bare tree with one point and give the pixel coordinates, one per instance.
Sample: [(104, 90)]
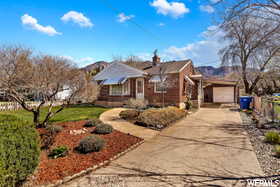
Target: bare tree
[(90, 91), (268, 9), (253, 43), (22, 75), (164, 82)]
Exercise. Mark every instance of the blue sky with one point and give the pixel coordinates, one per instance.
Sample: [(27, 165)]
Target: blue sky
[(92, 30)]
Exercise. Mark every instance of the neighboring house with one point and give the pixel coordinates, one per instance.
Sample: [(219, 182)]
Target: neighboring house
[(151, 81), (64, 94), (220, 91)]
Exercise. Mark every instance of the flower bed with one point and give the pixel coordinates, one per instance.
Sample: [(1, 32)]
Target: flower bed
[(51, 170)]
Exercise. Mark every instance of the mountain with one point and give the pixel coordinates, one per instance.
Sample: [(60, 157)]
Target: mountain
[(96, 66), (210, 71), (206, 71)]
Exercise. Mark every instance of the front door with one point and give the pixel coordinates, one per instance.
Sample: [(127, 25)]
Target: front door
[(140, 88)]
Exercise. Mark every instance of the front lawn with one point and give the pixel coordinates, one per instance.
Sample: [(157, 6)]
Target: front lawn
[(72, 113)]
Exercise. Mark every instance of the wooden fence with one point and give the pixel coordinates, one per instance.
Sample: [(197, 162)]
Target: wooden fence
[(9, 106), (267, 108)]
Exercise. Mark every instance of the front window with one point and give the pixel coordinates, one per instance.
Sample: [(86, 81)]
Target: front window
[(126, 88), (160, 87), (116, 89), (139, 86), (120, 89)]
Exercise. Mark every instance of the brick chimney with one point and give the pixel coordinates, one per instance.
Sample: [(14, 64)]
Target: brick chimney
[(156, 59)]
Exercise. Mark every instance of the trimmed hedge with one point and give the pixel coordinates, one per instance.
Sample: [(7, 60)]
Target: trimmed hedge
[(129, 114), (19, 152), (90, 144), (103, 129), (160, 118)]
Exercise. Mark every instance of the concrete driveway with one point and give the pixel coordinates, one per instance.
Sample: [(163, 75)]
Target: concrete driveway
[(206, 148)]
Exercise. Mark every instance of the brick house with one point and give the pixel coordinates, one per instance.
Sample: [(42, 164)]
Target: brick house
[(154, 82)]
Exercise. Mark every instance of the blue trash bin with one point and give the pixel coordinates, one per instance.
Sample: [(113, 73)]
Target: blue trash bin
[(245, 102)]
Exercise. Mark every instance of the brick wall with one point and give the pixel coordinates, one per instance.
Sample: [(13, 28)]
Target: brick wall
[(188, 70), (171, 97), (174, 95), (105, 89)]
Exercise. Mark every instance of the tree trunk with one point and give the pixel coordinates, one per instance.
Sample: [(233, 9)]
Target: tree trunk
[(246, 83), (36, 119)]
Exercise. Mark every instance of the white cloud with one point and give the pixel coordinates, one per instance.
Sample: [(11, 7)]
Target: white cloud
[(161, 24), (80, 61), (86, 60), (33, 24), (123, 18), (207, 8), (68, 58), (77, 18), (174, 9), (203, 52)]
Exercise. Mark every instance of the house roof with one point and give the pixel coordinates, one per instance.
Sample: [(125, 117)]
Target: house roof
[(169, 67), (220, 81), (140, 65), (117, 71)]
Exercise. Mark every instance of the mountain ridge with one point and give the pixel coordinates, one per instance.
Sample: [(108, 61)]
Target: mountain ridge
[(206, 71)]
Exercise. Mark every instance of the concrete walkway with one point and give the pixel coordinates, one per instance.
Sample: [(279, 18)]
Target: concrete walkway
[(112, 117), (207, 148)]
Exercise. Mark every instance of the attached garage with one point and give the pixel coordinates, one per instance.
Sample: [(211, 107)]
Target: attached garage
[(223, 94), (220, 91)]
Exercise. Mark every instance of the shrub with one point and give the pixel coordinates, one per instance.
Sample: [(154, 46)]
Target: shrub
[(19, 152), (277, 151), (47, 140), (93, 123), (129, 114), (90, 144), (137, 103), (272, 137), (160, 118), (103, 129), (59, 151), (54, 129)]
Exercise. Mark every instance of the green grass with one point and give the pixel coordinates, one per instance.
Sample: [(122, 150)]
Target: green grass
[(73, 113)]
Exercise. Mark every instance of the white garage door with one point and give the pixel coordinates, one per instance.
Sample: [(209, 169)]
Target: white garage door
[(223, 94)]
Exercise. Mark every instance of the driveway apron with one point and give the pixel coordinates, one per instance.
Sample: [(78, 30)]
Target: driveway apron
[(209, 147)]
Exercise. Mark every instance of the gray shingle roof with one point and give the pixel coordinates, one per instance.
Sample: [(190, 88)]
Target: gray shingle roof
[(117, 71), (170, 67)]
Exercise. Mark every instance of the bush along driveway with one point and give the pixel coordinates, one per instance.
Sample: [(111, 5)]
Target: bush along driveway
[(210, 147), (112, 117)]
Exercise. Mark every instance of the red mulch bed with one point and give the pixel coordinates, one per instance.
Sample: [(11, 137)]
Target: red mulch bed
[(50, 170)]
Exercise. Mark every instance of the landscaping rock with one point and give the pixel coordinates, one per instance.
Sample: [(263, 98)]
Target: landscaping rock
[(264, 151), (78, 132)]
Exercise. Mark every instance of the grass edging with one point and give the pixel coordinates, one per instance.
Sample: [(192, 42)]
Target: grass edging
[(88, 170)]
